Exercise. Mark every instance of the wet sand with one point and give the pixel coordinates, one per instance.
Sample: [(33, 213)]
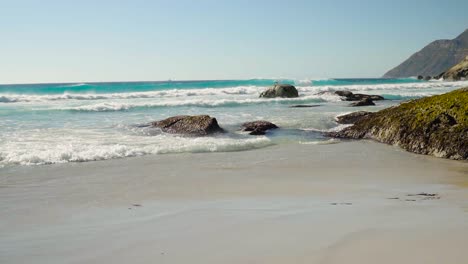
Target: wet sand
[(353, 202)]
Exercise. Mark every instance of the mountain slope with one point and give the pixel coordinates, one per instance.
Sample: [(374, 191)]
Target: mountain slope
[(433, 59), (457, 72)]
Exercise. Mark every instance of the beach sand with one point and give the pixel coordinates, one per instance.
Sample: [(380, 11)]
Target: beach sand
[(352, 202)]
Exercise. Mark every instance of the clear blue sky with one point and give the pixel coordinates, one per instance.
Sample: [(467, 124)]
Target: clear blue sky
[(112, 40)]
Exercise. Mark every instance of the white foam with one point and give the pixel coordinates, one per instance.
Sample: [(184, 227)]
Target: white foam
[(240, 90), (386, 87), (321, 142), (202, 102), (333, 129), (67, 145), (304, 82), (8, 99), (88, 147), (75, 85)]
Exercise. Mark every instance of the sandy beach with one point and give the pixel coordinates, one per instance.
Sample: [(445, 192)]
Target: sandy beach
[(352, 202), (233, 132)]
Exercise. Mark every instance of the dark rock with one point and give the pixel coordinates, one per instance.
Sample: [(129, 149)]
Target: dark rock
[(436, 125), (427, 78), (372, 97), (352, 117), (303, 106), (440, 76), (258, 127), (280, 90), (257, 132), (344, 93), (363, 102), (201, 125), (424, 194), (349, 96), (420, 77), (432, 198)]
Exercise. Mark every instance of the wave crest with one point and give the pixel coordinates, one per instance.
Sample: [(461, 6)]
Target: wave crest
[(306, 90), (116, 106)]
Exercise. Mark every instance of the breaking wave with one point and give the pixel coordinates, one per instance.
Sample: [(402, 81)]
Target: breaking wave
[(230, 91), (116, 106), (80, 149)]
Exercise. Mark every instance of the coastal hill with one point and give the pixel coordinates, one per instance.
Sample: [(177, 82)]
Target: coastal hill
[(457, 72), (433, 59)]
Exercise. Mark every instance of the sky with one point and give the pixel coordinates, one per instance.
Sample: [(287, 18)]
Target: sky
[(135, 40)]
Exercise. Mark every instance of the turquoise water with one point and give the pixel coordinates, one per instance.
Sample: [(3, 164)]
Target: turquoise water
[(77, 122), (122, 87)]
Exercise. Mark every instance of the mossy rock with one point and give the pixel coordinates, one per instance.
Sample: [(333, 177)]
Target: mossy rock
[(280, 90), (436, 125)]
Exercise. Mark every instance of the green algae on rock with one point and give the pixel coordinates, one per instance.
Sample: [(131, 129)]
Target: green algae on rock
[(436, 125)]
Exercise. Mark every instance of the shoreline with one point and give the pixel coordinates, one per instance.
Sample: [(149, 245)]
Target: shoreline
[(45, 127), (281, 204)]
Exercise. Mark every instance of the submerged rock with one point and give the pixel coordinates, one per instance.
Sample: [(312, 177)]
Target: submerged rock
[(346, 94), (200, 125), (349, 96), (303, 106), (363, 102), (436, 125), (258, 127), (280, 90), (352, 117)]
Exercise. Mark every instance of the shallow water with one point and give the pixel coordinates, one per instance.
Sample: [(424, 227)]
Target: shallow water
[(57, 123)]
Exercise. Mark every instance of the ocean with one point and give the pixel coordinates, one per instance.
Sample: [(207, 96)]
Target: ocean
[(79, 122)]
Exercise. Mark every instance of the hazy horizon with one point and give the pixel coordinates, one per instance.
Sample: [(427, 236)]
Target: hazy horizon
[(110, 41)]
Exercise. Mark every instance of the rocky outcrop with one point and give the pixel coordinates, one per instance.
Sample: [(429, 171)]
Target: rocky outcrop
[(349, 96), (433, 59), (457, 72), (363, 102), (280, 90), (436, 125), (258, 127), (352, 118), (200, 125)]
